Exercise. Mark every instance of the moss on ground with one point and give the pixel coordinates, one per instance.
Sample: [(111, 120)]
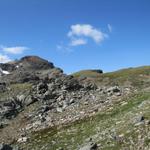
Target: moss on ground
[(16, 89)]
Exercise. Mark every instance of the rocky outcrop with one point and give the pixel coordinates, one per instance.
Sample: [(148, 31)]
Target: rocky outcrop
[(34, 63), (5, 147), (50, 87), (9, 109), (28, 69), (2, 87)]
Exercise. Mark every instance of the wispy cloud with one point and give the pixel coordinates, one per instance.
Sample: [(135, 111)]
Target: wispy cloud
[(4, 58), (64, 49), (14, 50), (77, 42), (7, 52), (87, 31), (109, 27)]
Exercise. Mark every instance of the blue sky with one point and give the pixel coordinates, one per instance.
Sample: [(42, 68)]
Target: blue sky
[(77, 34)]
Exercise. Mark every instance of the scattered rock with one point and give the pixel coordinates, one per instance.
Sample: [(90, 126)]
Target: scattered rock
[(114, 89), (29, 100), (9, 109), (147, 122), (59, 109), (22, 140), (90, 146), (139, 119)]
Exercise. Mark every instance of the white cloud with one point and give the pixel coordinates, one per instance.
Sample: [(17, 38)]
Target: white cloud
[(86, 30), (4, 58), (64, 49), (109, 27), (59, 47), (77, 42), (14, 50), (80, 34)]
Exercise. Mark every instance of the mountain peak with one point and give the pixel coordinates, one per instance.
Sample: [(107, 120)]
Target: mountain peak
[(35, 62)]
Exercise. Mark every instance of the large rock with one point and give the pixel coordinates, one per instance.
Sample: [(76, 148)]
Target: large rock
[(70, 83), (9, 109), (2, 86), (5, 147), (90, 146), (26, 100)]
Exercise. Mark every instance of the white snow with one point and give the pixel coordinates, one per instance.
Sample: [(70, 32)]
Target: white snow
[(4, 72), (17, 66)]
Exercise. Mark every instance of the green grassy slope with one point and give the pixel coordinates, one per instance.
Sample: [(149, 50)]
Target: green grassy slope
[(132, 76)]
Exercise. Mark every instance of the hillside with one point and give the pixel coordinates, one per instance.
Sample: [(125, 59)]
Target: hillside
[(129, 76), (43, 108)]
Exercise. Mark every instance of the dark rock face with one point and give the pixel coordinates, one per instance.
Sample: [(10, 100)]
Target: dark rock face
[(97, 70), (35, 63), (70, 83), (5, 147), (2, 86), (9, 109)]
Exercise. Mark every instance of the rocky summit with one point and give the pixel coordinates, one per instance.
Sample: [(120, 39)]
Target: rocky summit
[(42, 108)]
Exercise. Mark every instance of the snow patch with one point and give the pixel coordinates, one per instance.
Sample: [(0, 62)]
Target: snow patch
[(17, 66), (4, 72)]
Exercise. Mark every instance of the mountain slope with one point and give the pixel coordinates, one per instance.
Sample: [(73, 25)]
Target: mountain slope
[(43, 108)]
